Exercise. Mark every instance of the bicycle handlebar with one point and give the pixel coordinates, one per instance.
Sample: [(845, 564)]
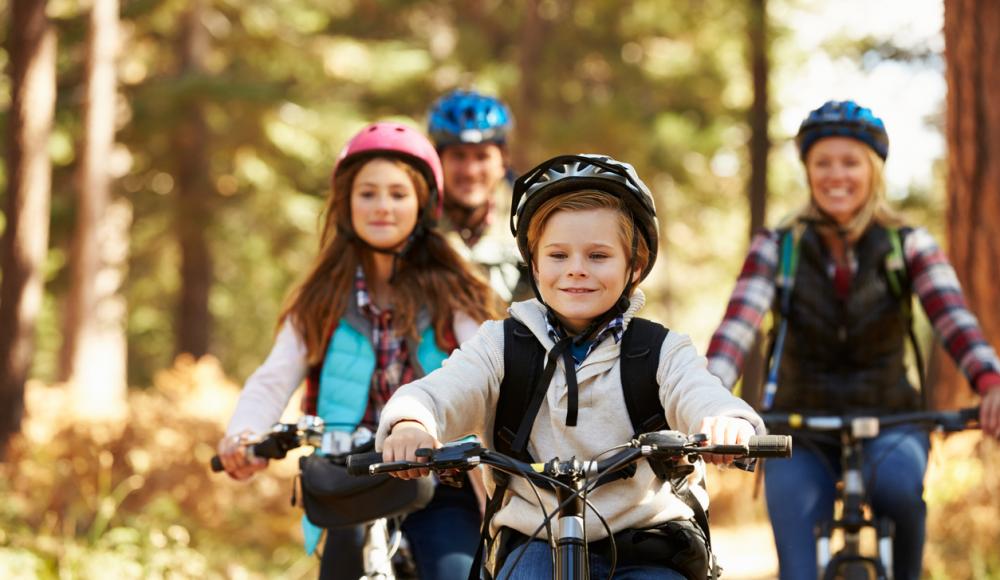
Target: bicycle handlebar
[(660, 444), (308, 430), (948, 421)]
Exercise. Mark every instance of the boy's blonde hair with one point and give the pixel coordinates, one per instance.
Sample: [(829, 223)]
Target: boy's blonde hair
[(589, 199)]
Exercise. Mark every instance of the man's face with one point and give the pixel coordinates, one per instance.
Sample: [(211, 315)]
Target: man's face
[(472, 172)]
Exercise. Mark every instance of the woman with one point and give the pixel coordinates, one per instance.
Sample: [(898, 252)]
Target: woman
[(385, 302), (840, 276)]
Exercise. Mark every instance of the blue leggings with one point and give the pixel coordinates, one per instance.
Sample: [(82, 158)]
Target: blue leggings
[(801, 492), (536, 562), (443, 537)]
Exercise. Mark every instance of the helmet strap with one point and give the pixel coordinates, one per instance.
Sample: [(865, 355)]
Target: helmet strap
[(397, 255)]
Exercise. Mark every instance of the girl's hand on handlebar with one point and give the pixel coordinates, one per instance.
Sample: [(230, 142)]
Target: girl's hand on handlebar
[(725, 431), (989, 412), (402, 443), (233, 454)]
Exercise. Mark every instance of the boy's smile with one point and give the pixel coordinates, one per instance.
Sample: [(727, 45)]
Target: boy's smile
[(580, 265)]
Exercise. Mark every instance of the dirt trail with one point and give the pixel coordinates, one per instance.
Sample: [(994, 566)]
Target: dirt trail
[(746, 552)]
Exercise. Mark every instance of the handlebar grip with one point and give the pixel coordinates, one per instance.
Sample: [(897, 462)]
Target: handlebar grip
[(269, 448), (217, 464), (358, 463), (770, 446)]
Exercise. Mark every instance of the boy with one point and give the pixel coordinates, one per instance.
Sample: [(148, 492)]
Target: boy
[(587, 227)]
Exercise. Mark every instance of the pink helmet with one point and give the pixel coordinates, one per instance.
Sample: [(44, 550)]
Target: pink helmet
[(396, 138)]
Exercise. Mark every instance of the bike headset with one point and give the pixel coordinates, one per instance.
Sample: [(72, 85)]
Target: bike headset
[(571, 173), (396, 140)]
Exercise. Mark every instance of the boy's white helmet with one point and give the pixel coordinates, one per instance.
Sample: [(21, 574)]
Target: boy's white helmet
[(570, 173)]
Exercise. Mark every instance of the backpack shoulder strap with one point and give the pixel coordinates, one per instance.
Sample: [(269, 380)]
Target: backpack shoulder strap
[(895, 264), (640, 353), (523, 358), (899, 285)]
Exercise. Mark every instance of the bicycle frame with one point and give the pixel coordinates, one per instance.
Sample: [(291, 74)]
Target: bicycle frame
[(853, 499), (852, 495)]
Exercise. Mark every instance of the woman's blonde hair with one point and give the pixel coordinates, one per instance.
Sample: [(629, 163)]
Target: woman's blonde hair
[(589, 199), (876, 209), (430, 275)]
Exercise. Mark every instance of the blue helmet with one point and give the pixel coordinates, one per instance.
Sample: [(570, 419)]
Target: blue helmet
[(468, 117), (843, 119)]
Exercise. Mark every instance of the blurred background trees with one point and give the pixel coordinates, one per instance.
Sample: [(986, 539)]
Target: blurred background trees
[(212, 138), (166, 160)]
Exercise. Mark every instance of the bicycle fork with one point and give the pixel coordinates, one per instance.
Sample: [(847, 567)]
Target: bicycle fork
[(571, 543), (377, 551), (852, 521)]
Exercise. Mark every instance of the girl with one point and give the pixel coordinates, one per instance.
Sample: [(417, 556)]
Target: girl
[(587, 227), (384, 302), (846, 334)]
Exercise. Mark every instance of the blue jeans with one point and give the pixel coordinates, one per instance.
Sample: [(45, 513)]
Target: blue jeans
[(801, 492), (536, 564), (443, 537)]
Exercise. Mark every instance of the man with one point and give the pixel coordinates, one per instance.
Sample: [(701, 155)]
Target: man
[(470, 132)]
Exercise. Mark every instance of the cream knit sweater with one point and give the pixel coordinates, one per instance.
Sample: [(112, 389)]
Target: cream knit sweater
[(460, 399)]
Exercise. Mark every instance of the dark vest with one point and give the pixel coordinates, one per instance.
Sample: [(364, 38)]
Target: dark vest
[(845, 356)]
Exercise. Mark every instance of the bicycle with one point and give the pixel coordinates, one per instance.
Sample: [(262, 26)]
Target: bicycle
[(852, 431), (572, 480), (379, 515)]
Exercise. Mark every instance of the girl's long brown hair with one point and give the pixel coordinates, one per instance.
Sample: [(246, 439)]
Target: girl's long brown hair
[(431, 275)]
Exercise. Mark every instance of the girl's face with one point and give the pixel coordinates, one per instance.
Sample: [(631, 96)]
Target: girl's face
[(472, 172), (580, 265), (384, 204), (840, 177)]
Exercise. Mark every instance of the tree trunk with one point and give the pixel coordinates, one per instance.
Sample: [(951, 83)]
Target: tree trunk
[(972, 56), (94, 352), (194, 197), (32, 52), (760, 145), (527, 102)]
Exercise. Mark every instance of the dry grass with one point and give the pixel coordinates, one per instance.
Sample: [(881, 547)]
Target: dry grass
[(136, 500)]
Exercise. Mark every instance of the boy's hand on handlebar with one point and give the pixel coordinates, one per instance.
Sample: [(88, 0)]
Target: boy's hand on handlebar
[(233, 454), (402, 443), (725, 431), (989, 412)]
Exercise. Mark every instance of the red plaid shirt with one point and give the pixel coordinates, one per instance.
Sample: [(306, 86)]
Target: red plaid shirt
[(392, 360), (934, 282)]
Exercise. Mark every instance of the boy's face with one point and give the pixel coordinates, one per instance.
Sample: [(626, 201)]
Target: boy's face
[(579, 265)]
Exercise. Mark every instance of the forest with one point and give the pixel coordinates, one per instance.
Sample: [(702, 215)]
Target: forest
[(166, 161)]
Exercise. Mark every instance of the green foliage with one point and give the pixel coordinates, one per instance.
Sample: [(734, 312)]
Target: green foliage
[(662, 84)]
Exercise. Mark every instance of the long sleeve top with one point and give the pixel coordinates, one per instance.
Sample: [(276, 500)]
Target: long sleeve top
[(933, 280), (268, 390), (461, 398)]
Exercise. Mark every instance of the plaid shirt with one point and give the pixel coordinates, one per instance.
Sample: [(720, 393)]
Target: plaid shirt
[(615, 327), (392, 361), (933, 280)]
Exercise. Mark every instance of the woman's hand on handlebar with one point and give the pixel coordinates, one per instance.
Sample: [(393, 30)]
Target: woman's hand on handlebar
[(233, 454), (725, 431), (402, 443), (989, 412)]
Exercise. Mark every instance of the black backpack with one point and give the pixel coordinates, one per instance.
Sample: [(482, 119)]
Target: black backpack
[(522, 393)]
